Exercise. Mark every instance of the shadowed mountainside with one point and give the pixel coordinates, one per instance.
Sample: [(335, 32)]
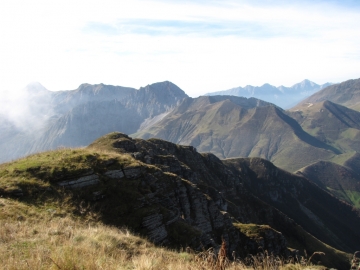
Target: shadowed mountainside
[(341, 181)]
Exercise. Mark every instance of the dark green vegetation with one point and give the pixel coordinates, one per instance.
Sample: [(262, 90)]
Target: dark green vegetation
[(178, 197)]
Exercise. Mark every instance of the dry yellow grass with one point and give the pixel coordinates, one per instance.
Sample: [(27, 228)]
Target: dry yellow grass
[(49, 238), (43, 232)]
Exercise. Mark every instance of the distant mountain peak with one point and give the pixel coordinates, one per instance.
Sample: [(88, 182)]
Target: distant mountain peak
[(282, 96), (346, 93), (305, 84), (165, 88), (35, 88)]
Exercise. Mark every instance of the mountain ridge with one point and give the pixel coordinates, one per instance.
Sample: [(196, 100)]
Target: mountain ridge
[(346, 93), (228, 129), (282, 96), (67, 118)]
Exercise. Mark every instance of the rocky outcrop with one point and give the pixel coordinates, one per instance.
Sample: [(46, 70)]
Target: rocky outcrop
[(203, 197), (117, 174), (81, 182), (180, 198)]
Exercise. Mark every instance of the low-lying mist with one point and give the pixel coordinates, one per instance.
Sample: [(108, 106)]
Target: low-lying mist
[(26, 109)]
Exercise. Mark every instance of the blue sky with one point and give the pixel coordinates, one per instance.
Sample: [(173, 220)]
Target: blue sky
[(202, 46)]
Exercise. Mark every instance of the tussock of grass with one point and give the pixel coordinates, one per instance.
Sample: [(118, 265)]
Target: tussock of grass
[(33, 238), (251, 230), (38, 171)]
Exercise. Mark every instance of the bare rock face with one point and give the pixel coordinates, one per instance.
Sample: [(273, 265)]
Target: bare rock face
[(162, 194), (117, 174), (155, 225), (83, 181), (175, 204)]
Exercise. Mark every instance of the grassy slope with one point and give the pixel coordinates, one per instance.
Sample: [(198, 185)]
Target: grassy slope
[(332, 123), (53, 230), (50, 229), (346, 93), (227, 129), (48, 237), (340, 176)]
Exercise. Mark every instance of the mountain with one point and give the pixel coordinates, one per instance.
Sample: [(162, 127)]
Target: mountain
[(230, 126), (341, 181), (346, 93), (64, 101), (177, 197), (284, 97), (331, 123), (353, 162), (77, 117)]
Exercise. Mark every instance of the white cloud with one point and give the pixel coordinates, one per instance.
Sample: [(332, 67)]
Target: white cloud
[(50, 42)]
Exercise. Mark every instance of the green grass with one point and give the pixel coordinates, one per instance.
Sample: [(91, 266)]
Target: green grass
[(350, 196), (354, 197), (349, 133), (341, 159), (40, 170), (44, 240), (251, 230)]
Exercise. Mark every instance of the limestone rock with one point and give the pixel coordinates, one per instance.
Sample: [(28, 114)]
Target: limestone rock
[(88, 180)]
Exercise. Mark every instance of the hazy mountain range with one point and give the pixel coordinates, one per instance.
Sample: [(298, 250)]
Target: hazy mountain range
[(282, 96), (77, 117)]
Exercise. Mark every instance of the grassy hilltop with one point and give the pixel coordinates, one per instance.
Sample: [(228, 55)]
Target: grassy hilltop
[(68, 209)]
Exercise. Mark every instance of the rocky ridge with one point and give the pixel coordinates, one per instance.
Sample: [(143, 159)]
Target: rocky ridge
[(346, 93), (178, 197), (236, 193)]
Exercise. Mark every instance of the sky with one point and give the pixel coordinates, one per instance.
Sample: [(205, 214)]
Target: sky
[(201, 46)]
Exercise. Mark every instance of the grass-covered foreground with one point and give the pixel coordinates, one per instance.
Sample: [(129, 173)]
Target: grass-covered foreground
[(46, 237)]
